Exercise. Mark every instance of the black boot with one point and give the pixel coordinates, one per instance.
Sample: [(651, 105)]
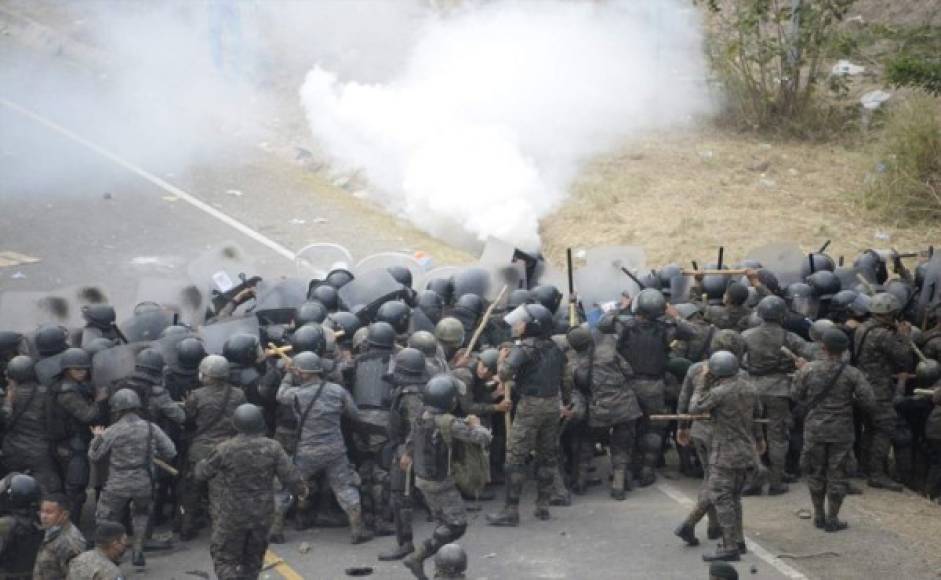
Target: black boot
[(510, 514), (687, 533), (397, 553), (416, 562), (820, 514), (714, 532), (834, 524), (723, 554)]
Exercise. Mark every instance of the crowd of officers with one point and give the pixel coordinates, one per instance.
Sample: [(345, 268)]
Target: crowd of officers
[(333, 416)]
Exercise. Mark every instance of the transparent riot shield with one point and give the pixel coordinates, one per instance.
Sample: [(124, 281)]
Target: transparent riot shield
[(784, 259), (370, 289), (178, 295), (385, 260), (114, 364), (315, 261), (147, 324), (217, 332)]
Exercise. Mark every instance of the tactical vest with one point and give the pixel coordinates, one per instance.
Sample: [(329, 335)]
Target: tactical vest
[(541, 376), (370, 388), (399, 422), (20, 548), (431, 451), (60, 425), (142, 384), (645, 347), (768, 360), (247, 379)]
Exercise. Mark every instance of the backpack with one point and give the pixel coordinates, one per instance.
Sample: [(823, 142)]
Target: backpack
[(468, 463)]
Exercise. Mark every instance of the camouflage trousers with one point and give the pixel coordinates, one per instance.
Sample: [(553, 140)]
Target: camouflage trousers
[(703, 505), (878, 429), (778, 410), (725, 486), (536, 431), (113, 507), (238, 552), (824, 465), (648, 445), (339, 473), (447, 508)]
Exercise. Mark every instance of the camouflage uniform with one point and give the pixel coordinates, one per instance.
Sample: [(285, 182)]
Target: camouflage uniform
[(158, 406), (933, 439), (406, 406), (879, 352), (131, 443), (733, 404), (59, 546), (20, 538), (769, 368), (930, 343), (700, 435), (828, 425), (320, 444), (26, 445), (210, 408), (728, 316), (243, 469), (74, 408), (94, 565)]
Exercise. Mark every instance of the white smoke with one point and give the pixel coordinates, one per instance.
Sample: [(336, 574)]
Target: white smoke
[(498, 104)]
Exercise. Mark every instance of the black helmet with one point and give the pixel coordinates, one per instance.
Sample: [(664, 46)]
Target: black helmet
[(540, 321), (248, 419), (737, 293), (401, 274), (96, 345), (825, 283), (872, 266), (901, 289), (51, 339), (519, 297), (440, 393), (860, 305), (149, 359), (687, 310), (424, 341), (668, 273), (410, 361), (723, 364), (547, 295), (471, 305), (9, 341), (310, 338), (820, 263), (650, 303), (715, 285), (450, 562), (347, 322), (310, 312), (928, 372), (490, 359), (20, 491), (579, 338), (381, 335), (326, 295), (124, 400), (395, 313), (20, 369), (842, 300), (190, 352), (242, 349), (769, 280), (339, 278), (175, 330), (99, 315), (75, 358), (835, 340), (431, 304), (443, 287), (772, 309), (307, 362), (650, 279)]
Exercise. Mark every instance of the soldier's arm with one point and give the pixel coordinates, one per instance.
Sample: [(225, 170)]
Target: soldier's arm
[(286, 392), (287, 472), (710, 399), (799, 346), (191, 407), (685, 330), (209, 467), (513, 362), (7, 523), (160, 398), (899, 349), (477, 435), (101, 444), (686, 393), (801, 383), (863, 392), (163, 444), (349, 406), (78, 407)]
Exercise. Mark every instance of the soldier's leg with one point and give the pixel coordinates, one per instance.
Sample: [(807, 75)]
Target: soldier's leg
[(444, 501), (253, 555), (838, 455), (650, 394), (73, 462), (814, 465), (401, 514), (140, 514), (933, 478), (779, 420), (111, 507), (344, 483), (547, 462), (620, 445), (882, 422), (521, 442), (902, 451), (225, 548), (687, 530), (724, 494)]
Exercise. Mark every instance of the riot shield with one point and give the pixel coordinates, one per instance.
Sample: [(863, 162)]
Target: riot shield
[(178, 295), (446, 272), (167, 346), (219, 271), (602, 278), (502, 262), (784, 259), (474, 280), (115, 363), (385, 260), (930, 295), (23, 311), (146, 325), (368, 291), (315, 261), (48, 369), (217, 332), (279, 294)]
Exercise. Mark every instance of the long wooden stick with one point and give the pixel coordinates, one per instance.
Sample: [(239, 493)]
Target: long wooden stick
[(483, 322), (923, 392), (738, 272), (166, 467)]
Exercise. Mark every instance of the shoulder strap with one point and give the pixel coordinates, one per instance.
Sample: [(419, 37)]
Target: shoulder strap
[(218, 416), (858, 347), (705, 345), (826, 390), (305, 414), (148, 459), (22, 411)]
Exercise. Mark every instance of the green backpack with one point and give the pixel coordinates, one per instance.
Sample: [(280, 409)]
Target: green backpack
[(468, 463)]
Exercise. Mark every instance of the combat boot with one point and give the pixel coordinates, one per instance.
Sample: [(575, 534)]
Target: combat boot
[(137, 551), (509, 516), (883, 481), (358, 532), (581, 479), (820, 514), (617, 484), (687, 533), (647, 476), (276, 534), (723, 554), (416, 562), (834, 524), (397, 553), (778, 488)]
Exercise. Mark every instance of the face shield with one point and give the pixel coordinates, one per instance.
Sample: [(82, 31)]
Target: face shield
[(517, 319), (806, 306)]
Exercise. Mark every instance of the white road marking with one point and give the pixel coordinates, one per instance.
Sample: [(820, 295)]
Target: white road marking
[(753, 546), (168, 187)]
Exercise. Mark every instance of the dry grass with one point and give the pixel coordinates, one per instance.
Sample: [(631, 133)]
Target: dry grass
[(681, 196)]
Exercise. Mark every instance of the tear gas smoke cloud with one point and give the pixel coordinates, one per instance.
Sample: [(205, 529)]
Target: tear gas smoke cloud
[(497, 105)]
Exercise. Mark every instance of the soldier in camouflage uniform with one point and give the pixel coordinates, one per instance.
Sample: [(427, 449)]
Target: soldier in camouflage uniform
[(319, 407), (733, 313), (25, 441), (882, 348), (732, 401), (62, 540), (244, 468), (769, 368), (210, 408), (535, 366), (131, 444), (700, 435), (600, 370), (147, 383), (826, 390), (428, 452), (101, 562)]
